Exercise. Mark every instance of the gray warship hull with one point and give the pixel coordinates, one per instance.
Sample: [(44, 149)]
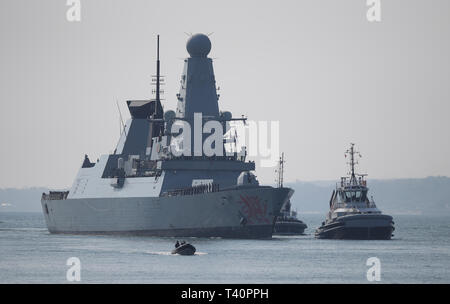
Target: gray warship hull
[(235, 213)]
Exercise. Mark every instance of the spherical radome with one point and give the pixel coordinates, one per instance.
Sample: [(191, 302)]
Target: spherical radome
[(198, 45), (169, 115), (227, 115)]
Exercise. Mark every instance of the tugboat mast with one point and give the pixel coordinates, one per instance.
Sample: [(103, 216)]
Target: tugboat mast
[(352, 158), (352, 162), (280, 171)]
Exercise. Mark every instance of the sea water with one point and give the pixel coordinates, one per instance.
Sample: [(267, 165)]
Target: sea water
[(418, 253)]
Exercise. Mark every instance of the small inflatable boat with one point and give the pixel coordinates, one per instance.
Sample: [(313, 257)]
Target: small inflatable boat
[(184, 249)]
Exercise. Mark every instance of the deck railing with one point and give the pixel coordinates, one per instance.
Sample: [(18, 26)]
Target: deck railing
[(55, 195), (200, 189)]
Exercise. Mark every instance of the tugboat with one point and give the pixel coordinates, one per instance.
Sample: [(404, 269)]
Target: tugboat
[(352, 215), (287, 223)]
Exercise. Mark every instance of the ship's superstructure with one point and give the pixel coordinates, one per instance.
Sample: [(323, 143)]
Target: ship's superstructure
[(352, 215), (170, 174)]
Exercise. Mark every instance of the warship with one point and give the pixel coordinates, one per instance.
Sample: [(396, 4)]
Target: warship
[(352, 215), (287, 223), (154, 184)]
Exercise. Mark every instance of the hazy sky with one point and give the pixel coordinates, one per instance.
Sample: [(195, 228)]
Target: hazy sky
[(318, 66)]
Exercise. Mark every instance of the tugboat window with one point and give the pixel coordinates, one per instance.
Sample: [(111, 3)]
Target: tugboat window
[(364, 196), (348, 196), (353, 196)]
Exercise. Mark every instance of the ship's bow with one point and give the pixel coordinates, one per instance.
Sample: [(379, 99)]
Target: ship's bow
[(259, 209)]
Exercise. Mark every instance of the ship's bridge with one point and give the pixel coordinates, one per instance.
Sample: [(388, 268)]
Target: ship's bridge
[(354, 194)]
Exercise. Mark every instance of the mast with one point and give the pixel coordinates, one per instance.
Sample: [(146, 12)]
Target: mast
[(280, 171), (157, 81), (158, 76), (352, 162), (157, 73)]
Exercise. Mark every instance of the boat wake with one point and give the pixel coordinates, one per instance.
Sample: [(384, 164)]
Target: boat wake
[(170, 253)]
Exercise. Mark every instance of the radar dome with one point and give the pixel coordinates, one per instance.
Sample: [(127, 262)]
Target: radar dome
[(198, 45), (169, 115), (227, 115)]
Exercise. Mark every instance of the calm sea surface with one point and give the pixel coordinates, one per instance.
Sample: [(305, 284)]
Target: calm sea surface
[(418, 253)]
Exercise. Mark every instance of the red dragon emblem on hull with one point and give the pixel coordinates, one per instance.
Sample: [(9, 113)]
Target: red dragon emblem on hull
[(254, 210)]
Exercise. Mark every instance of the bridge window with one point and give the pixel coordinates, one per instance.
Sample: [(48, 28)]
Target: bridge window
[(354, 196)]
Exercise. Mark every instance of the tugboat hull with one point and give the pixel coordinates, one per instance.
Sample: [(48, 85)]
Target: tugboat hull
[(289, 228), (358, 227)]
